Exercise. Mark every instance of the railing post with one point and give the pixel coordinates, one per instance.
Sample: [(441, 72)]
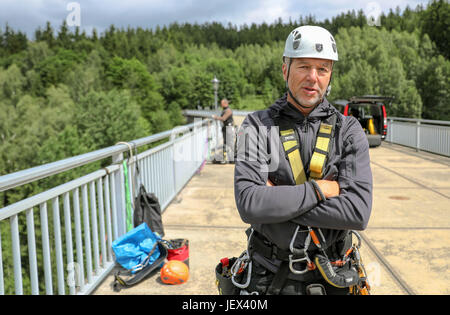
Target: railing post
[(2, 283), (172, 138), (120, 195), (216, 156), (418, 136), (391, 131), (14, 222)]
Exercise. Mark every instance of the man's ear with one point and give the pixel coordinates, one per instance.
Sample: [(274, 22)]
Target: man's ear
[(284, 68)]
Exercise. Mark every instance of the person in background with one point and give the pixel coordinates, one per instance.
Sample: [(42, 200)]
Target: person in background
[(226, 118)]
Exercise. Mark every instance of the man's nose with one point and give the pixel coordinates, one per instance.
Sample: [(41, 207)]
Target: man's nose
[(312, 74)]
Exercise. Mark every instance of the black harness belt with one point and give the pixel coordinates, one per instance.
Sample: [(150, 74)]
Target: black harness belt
[(259, 244)]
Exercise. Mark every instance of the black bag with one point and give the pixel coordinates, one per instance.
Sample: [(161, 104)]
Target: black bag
[(223, 278), (147, 209), (125, 279)]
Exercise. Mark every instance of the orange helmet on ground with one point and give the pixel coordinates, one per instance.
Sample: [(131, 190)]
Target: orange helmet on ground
[(174, 272)]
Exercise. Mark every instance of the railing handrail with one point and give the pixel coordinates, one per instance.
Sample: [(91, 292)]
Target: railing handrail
[(208, 113), (42, 171), (422, 121)]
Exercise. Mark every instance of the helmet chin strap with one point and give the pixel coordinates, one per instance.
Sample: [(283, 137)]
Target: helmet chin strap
[(292, 95)]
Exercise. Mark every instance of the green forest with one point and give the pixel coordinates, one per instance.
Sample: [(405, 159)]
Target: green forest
[(65, 92)]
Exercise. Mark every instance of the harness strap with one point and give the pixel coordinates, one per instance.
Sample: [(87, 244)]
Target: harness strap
[(279, 279), (271, 251), (320, 155), (291, 147)]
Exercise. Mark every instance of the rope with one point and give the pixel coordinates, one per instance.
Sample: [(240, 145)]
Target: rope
[(128, 199)]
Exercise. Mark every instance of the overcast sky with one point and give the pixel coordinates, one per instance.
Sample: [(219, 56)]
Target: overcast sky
[(28, 15)]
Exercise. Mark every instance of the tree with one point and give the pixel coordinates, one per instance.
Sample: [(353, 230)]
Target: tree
[(12, 83), (376, 61), (105, 118), (53, 69), (13, 42), (48, 35), (64, 37), (436, 23), (230, 75), (177, 86), (133, 76), (86, 76), (434, 86)]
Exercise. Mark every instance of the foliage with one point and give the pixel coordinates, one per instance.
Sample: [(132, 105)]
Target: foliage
[(66, 93)]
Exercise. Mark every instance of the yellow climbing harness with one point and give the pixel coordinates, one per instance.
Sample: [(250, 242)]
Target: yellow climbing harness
[(291, 147), (354, 278)]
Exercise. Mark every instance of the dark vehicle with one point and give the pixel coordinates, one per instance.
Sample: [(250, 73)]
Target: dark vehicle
[(370, 110)]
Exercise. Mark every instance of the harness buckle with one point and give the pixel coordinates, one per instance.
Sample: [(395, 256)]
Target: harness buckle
[(292, 261)]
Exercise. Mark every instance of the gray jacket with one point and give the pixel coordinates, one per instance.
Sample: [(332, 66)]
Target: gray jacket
[(276, 211)]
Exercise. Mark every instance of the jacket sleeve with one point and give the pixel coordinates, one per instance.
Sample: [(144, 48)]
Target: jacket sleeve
[(351, 209), (258, 203)]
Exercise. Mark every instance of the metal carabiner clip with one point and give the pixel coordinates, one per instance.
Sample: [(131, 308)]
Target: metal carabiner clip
[(358, 237), (296, 251), (292, 261), (241, 264), (234, 273)]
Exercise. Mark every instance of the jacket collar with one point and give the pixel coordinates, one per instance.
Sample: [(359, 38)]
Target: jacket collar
[(283, 108)]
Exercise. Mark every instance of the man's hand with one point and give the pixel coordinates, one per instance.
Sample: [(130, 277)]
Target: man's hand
[(269, 183), (329, 188)]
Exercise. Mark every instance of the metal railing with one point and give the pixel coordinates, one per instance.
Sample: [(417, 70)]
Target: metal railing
[(208, 113), (76, 255), (421, 134)]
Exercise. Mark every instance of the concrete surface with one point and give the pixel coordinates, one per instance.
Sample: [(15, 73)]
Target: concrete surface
[(410, 225)]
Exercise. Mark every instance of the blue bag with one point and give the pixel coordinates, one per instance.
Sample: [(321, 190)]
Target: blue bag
[(137, 248)]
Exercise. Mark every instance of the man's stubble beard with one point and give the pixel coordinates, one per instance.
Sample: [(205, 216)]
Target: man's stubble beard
[(310, 102)]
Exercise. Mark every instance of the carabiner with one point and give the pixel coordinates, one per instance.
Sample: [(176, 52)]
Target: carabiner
[(358, 237), (239, 265), (296, 251), (292, 261)]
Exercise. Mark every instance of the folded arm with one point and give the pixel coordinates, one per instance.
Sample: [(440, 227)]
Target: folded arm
[(256, 201), (351, 209)]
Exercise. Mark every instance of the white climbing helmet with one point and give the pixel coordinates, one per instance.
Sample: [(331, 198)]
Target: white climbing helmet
[(311, 42)]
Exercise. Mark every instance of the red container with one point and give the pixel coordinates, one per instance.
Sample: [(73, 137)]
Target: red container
[(180, 250)]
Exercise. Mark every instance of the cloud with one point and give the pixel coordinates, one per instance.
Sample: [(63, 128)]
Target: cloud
[(27, 15)]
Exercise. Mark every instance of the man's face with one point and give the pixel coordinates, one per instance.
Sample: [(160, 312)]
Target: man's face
[(308, 79), (224, 103)]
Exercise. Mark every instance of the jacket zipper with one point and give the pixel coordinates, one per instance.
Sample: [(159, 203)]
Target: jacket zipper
[(304, 144)]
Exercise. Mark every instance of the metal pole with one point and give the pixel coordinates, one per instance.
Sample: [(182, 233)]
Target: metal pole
[(418, 136), (215, 82), (215, 98), (391, 130)]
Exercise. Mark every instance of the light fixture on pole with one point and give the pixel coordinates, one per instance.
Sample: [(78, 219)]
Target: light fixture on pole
[(215, 83)]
